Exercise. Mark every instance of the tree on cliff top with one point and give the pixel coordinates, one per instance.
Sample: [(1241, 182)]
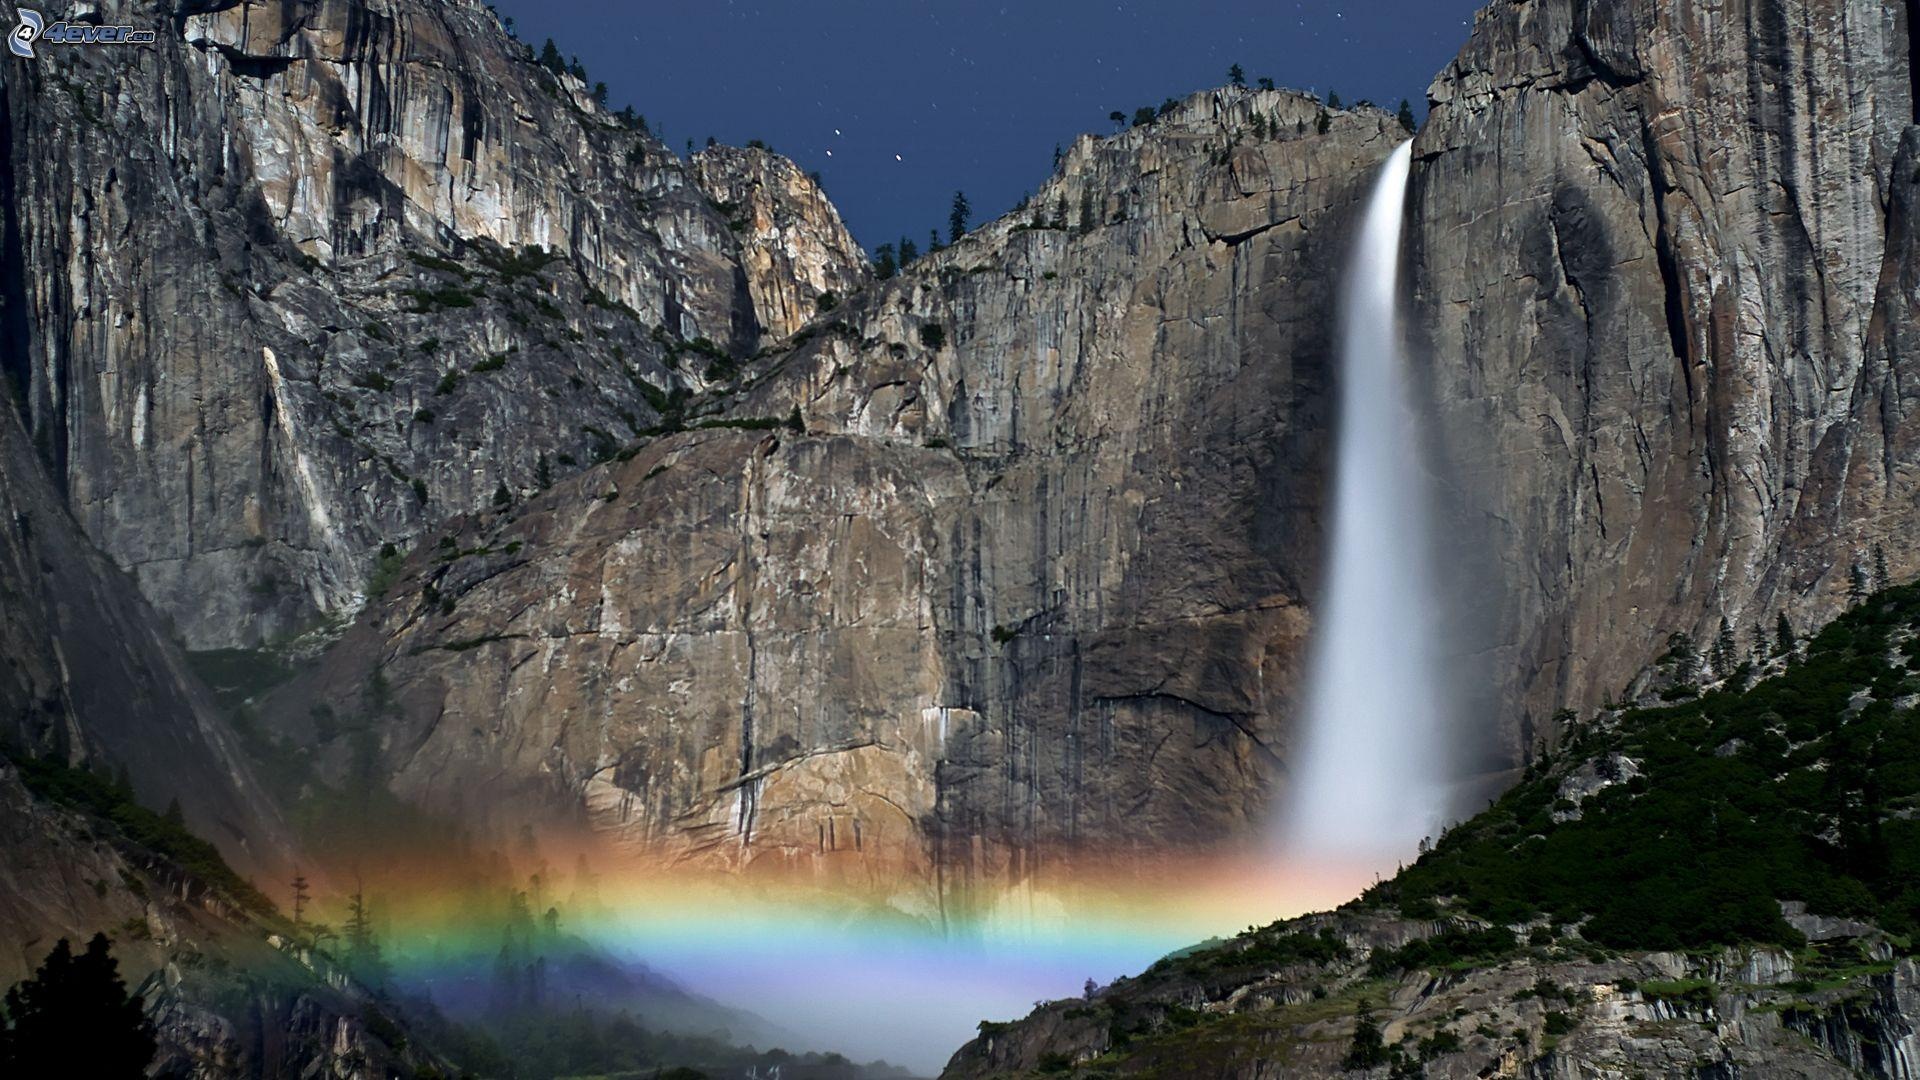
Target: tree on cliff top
[(1237, 75), (75, 1017), (957, 219)]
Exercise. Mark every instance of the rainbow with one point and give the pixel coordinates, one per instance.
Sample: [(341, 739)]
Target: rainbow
[(851, 972)]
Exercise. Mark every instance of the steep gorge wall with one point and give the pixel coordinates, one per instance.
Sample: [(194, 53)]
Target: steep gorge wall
[(88, 677), (1030, 582), (270, 303), (1663, 264)]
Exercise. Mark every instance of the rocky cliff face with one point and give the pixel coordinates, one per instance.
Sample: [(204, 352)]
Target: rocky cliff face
[(1663, 260), (87, 676), (1009, 554), (795, 252), (1010, 557), (1233, 1012), (303, 277)]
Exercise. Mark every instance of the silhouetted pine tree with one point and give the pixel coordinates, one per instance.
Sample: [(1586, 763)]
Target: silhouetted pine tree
[(75, 1018), (364, 958)]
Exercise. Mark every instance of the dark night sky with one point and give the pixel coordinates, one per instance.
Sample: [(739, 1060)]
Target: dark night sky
[(970, 94)]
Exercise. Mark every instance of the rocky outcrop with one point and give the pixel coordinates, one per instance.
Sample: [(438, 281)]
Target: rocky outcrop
[(301, 278), (1664, 268), (1008, 557), (1737, 1013), (797, 255)]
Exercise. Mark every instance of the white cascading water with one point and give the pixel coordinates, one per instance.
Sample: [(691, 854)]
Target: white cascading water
[(1370, 778)]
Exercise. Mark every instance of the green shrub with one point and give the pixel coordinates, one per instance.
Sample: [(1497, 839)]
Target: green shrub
[(1699, 848), (444, 297), (141, 827)]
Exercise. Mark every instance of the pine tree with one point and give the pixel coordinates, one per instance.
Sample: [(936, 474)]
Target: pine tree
[(600, 94), (884, 266), (543, 473), (363, 947), (1333, 100), (173, 814), (958, 216), (1369, 1049), (1726, 651), (300, 896), (1406, 115), (550, 58), (1681, 659), (1266, 83), (1881, 579), (1237, 75), (501, 496), (75, 1012), (1782, 635), (1324, 124), (1259, 126), (1857, 584), (1086, 211), (908, 253), (933, 241), (1119, 118)]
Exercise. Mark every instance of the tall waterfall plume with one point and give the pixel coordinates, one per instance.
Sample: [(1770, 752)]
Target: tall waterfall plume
[(1371, 776)]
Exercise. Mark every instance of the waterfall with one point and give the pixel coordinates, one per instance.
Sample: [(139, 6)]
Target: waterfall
[(1370, 772)]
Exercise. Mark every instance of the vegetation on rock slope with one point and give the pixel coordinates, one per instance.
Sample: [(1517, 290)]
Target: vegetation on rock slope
[(1726, 880)]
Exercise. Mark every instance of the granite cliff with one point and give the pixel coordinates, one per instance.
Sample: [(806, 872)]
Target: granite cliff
[(612, 491), (1663, 261), (302, 278), (1008, 555)]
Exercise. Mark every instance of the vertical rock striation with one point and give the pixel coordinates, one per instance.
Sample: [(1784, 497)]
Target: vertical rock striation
[(303, 277), (1663, 270)]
